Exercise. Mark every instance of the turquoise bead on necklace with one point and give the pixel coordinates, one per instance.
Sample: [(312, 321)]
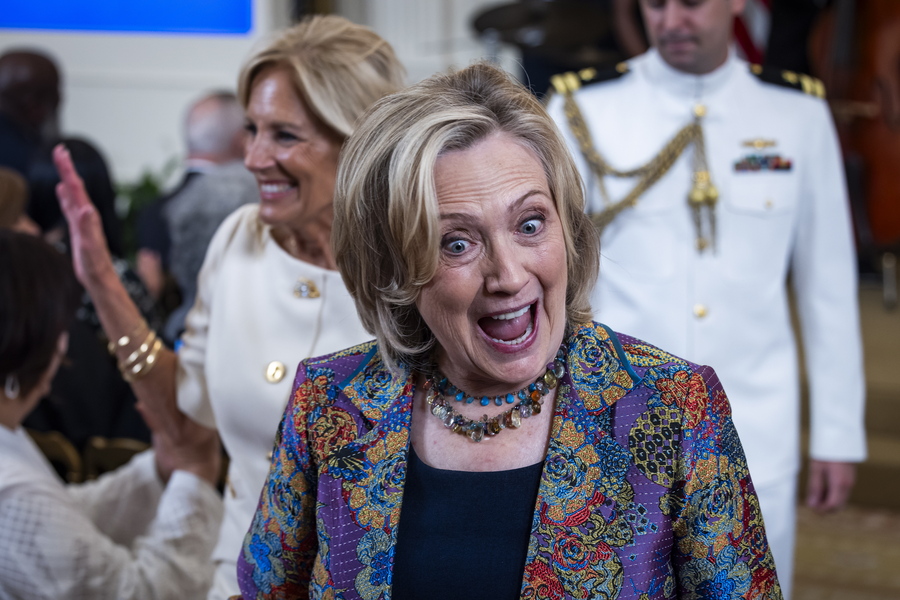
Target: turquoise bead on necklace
[(554, 372)]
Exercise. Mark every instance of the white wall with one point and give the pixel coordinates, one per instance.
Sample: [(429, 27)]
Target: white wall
[(128, 92)]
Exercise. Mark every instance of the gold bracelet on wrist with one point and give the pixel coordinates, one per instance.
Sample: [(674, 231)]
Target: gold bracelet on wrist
[(126, 339), (140, 350), (151, 358), (142, 367), (139, 355)]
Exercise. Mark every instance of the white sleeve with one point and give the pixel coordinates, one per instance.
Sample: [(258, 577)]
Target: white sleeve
[(51, 549), (192, 391), (825, 284), (122, 503)]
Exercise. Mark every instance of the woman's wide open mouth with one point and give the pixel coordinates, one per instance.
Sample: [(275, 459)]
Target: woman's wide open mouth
[(509, 328)]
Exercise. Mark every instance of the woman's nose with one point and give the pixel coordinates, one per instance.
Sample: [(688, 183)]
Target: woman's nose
[(506, 272), (257, 153)]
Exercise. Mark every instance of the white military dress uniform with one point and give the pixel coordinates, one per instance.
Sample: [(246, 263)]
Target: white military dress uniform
[(728, 306)]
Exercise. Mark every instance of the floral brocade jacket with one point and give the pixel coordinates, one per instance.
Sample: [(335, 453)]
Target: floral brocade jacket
[(644, 493)]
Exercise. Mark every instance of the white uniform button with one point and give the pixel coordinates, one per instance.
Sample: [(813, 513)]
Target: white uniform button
[(769, 204), (700, 311)]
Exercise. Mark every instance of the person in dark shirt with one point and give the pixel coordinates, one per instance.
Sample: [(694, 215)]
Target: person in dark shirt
[(88, 396), (29, 106), (214, 135)]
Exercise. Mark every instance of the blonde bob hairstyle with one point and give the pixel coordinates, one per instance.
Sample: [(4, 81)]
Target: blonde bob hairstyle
[(387, 233), (338, 69)]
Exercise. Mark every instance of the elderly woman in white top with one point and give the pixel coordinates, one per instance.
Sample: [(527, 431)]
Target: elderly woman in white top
[(268, 294), (143, 531)]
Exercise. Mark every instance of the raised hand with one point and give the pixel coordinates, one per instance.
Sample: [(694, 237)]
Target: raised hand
[(90, 254), (118, 314)]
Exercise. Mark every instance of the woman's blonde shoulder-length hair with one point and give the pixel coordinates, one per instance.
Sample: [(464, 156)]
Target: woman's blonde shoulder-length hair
[(338, 68), (386, 232)]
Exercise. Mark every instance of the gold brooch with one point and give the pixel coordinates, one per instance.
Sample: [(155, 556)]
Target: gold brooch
[(306, 288)]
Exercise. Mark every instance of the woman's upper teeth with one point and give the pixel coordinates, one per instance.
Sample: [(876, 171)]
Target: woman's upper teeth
[(512, 315), (272, 188)]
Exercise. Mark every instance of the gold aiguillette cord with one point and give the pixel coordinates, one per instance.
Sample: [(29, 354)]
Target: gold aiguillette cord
[(702, 197)]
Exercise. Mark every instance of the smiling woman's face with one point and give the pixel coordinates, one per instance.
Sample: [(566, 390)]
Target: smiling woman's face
[(497, 303), (292, 155)]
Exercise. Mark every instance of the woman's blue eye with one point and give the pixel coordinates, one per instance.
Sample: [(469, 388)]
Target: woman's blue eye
[(457, 246), (531, 226)]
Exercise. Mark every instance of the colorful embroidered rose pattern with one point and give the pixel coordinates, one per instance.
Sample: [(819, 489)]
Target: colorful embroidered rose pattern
[(644, 494)]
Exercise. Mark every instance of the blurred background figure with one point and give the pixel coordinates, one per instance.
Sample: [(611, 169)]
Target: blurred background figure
[(770, 32), (143, 531), (193, 216), (29, 106), (13, 200), (854, 47), (88, 396), (214, 135), (215, 185), (44, 207), (718, 189)]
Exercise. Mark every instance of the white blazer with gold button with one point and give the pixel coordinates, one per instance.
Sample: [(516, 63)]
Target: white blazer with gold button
[(258, 313)]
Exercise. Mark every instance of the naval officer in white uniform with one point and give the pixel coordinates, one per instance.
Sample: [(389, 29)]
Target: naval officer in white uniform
[(708, 277)]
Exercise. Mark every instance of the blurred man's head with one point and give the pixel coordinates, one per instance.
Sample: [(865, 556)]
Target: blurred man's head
[(214, 128), (691, 35), (30, 91)]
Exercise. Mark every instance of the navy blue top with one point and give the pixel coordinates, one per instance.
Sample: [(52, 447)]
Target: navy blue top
[(463, 534), (17, 147)]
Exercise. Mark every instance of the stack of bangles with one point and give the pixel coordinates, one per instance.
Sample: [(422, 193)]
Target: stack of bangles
[(143, 358)]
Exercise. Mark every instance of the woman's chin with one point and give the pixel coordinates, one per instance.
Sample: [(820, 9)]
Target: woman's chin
[(272, 215), (517, 364)]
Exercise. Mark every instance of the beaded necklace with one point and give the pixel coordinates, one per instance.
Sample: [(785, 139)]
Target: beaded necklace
[(530, 401)]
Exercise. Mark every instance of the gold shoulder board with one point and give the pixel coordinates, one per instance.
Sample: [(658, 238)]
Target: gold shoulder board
[(797, 81), (572, 81)]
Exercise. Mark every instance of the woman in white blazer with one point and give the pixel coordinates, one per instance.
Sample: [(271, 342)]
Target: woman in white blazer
[(269, 294)]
